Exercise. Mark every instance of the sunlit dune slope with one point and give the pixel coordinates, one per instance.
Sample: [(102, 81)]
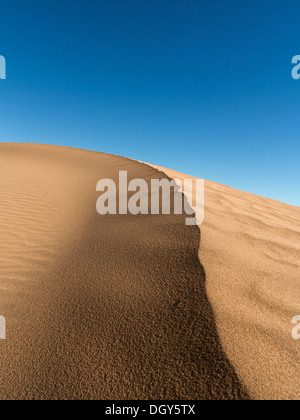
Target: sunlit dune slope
[(250, 249)]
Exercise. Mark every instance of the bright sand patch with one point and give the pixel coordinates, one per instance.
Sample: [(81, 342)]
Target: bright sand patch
[(250, 249), (100, 307)]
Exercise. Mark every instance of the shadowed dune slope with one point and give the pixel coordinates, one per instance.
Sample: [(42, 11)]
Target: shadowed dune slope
[(99, 307), (250, 248)]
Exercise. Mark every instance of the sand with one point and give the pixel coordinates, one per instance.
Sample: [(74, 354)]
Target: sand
[(250, 250), (141, 307), (112, 307)]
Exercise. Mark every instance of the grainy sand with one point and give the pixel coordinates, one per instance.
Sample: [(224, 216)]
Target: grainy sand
[(250, 249), (115, 307)]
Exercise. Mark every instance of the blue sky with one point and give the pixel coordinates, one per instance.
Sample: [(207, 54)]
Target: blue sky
[(203, 87)]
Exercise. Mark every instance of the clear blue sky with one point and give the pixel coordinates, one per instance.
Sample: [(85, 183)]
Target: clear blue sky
[(201, 86)]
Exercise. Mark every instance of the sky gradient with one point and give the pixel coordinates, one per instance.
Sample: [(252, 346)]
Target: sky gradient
[(203, 87)]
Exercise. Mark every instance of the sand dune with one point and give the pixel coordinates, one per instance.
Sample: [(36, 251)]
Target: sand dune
[(128, 307), (110, 307), (250, 249)]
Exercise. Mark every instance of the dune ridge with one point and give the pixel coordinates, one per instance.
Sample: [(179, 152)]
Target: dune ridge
[(99, 307), (250, 248)]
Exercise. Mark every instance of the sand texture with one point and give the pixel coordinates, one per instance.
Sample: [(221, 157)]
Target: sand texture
[(115, 307), (250, 250)]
